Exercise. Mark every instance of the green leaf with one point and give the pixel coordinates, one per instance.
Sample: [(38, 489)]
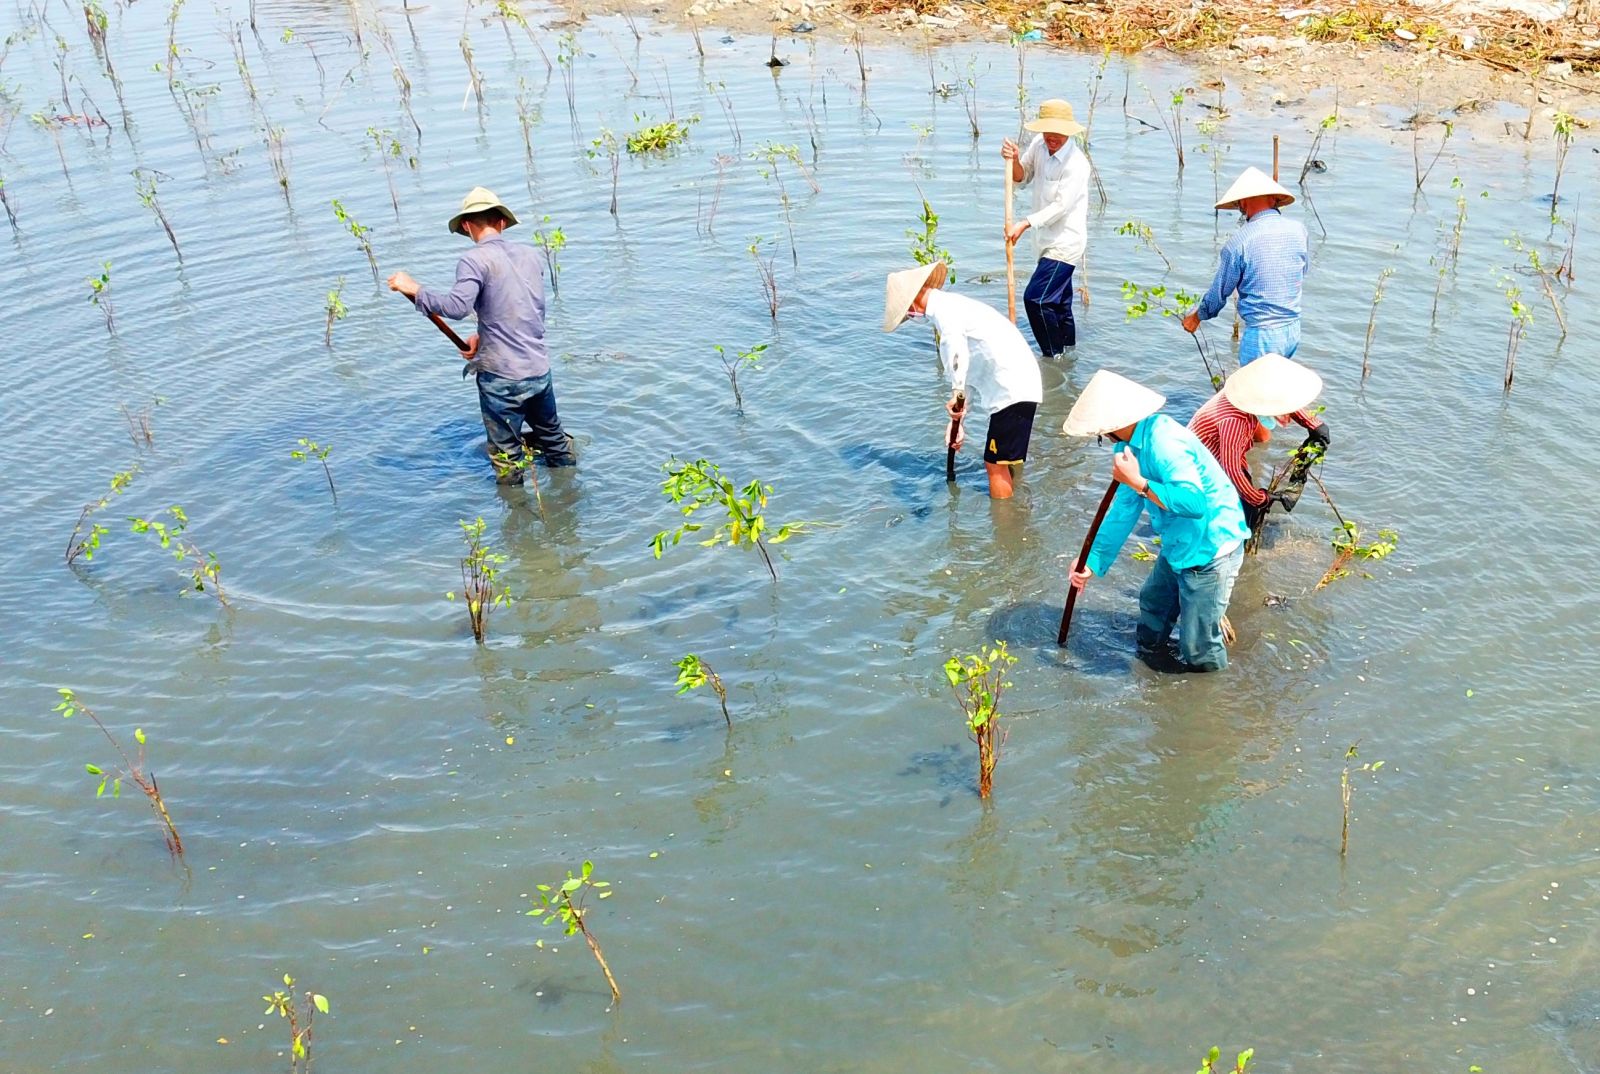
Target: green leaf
[(138, 735), (93, 770), (320, 1001), (101, 790)]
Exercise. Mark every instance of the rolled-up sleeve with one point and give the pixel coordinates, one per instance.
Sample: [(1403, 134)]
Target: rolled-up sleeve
[(461, 299)]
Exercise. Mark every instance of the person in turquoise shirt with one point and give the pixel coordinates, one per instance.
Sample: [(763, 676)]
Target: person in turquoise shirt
[(1165, 469)]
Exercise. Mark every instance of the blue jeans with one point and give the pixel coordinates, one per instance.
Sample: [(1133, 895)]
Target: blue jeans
[(1283, 339), (506, 404), (1048, 302), (1195, 600)]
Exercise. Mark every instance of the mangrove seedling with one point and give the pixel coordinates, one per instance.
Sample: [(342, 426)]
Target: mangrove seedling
[(1544, 275), (769, 277), (5, 203), (694, 673), (719, 90), (566, 57), (1348, 547), (100, 296), (131, 769), (300, 1011), (358, 232), (481, 587), (1416, 158), (1372, 324), (693, 485), (750, 359), (1147, 238), (336, 311), (1208, 1062), (475, 78), (275, 157), (527, 118), (139, 423), (310, 449), (1312, 160), (606, 146), (556, 903), (552, 242), (1139, 301), (203, 568), (388, 148), (87, 544), (144, 183), (1521, 318), (769, 157), (1174, 128), (1564, 125), (925, 248), (659, 137), (978, 680), (1450, 259), (1344, 794)]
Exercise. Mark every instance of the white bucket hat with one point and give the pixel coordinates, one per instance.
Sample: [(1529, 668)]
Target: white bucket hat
[(902, 289), (1110, 402), (1055, 117), (480, 199), (1272, 385), (1254, 183)]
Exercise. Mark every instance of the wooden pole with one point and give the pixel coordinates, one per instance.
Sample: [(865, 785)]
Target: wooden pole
[(1011, 262), (450, 333), (1274, 158), (950, 443), (1083, 557)]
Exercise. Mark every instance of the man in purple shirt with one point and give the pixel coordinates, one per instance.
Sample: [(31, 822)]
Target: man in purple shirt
[(503, 282)]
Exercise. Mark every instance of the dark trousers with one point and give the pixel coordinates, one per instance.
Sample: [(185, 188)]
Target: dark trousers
[(1048, 301), (506, 404)]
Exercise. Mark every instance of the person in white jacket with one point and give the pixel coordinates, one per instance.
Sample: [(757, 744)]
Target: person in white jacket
[(983, 355), (1059, 174)]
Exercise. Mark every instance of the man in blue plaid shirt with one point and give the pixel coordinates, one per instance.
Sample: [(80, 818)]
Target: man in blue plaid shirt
[(1265, 261)]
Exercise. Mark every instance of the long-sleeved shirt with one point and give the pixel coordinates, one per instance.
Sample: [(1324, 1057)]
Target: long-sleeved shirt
[(1060, 217), (983, 353), (504, 282), (1266, 262), (1202, 518), (1228, 433)]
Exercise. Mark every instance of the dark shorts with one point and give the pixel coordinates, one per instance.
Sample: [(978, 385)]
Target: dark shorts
[(1009, 430)]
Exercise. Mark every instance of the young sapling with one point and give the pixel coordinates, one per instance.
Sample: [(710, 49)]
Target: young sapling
[(1416, 158), (556, 902), (978, 680), (1141, 231), (1521, 318), (87, 544), (300, 1011), (925, 248), (606, 146), (388, 148), (145, 185), (750, 359), (203, 568), (660, 137), (698, 484), (359, 233), (310, 449), (481, 587), (100, 296), (1372, 324), (693, 673), (1344, 794), (1564, 125), (552, 242), (132, 769), (336, 311), (769, 277), (1208, 1062)]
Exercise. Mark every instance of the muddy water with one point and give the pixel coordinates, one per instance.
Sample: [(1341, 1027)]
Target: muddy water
[(368, 798)]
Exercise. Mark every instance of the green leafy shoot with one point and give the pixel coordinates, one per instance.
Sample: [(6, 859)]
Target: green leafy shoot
[(481, 587), (1139, 301), (978, 680), (310, 449), (87, 544), (748, 359), (700, 484), (300, 1012), (359, 232), (660, 137), (335, 309), (130, 768), (1139, 230), (566, 903), (694, 673), (203, 569), (925, 248), (100, 296)]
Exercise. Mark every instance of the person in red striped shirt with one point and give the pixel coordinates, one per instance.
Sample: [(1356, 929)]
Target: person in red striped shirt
[(1270, 391)]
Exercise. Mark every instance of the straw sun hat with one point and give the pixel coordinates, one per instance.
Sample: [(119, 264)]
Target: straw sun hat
[(1254, 183), (1272, 385), (1110, 402), (902, 289), (1055, 117), (480, 199)]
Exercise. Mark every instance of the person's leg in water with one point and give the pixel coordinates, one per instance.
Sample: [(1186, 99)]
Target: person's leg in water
[(1203, 594), (1005, 447), (544, 424), (500, 404), (1048, 302), (1158, 612)]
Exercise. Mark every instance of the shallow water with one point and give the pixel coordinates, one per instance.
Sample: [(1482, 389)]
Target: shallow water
[(368, 798)]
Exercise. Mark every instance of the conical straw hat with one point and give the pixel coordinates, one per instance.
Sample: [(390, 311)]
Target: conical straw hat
[(478, 200), (1110, 402), (1272, 385), (901, 290), (1055, 117), (1254, 183)]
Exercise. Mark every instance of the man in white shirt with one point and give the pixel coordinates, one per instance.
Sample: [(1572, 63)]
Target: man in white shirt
[(1059, 173), (983, 355)]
